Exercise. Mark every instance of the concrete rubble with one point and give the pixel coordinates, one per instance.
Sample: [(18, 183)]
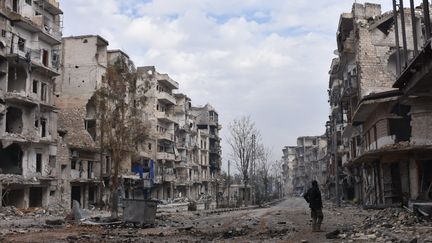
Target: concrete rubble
[(387, 225)]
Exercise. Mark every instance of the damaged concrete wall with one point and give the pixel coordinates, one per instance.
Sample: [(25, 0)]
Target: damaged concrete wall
[(421, 123)]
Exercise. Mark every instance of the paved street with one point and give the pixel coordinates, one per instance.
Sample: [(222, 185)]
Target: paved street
[(287, 221)]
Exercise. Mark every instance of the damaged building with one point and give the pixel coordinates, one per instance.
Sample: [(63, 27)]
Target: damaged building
[(379, 131), (174, 159), (29, 62), (305, 162), (79, 153)]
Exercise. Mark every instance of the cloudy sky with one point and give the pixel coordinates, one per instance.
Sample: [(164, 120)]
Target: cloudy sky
[(265, 58)]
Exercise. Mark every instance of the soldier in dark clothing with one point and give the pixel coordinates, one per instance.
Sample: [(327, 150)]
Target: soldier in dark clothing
[(313, 197)]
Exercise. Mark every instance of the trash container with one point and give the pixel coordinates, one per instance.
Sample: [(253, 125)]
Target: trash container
[(139, 211)]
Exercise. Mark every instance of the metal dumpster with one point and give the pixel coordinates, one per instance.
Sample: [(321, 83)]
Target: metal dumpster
[(139, 211)]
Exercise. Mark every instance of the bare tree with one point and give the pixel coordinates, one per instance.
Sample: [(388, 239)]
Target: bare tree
[(122, 126), (264, 156), (241, 141), (276, 173)]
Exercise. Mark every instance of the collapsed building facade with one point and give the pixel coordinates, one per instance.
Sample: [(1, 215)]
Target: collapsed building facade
[(305, 162), (171, 161), (379, 126), (29, 62)]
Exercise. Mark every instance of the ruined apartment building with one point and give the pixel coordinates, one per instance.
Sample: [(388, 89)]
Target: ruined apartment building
[(161, 142), (84, 63), (188, 169), (29, 62), (306, 162), (183, 141), (381, 135), (84, 165), (289, 163), (209, 155)]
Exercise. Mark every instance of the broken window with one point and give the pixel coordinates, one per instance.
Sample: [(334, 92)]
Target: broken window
[(29, 2), (44, 92), (13, 198), (43, 123), (36, 124), (35, 86), (17, 79), (21, 44), (11, 159), (90, 169), (35, 197), (91, 194), (63, 169), (38, 162), (90, 126), (73, 164), (45, 57), (401, 128), (90, 120), (425, 172), (15, 4), (14, 122), (107, 164)]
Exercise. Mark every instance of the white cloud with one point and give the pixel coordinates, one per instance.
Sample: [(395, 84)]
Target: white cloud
[(269, 59)]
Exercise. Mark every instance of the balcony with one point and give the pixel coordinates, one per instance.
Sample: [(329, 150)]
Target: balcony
[(36, 56), (165, 156), (168, 174), (166, 98), (169, 178), (50, 32), (166, 136), (52, 6), (182, 163), (164, 79), (182, 180), (196, 179), (165, 117)]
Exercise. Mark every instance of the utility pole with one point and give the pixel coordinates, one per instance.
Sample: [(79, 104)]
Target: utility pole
[(253, 169), (229, 183)]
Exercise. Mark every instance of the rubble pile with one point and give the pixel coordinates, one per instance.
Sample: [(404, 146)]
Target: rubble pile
[(11, 212), (389, 225)]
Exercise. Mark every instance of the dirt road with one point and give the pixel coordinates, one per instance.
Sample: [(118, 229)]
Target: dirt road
[(287, 221)]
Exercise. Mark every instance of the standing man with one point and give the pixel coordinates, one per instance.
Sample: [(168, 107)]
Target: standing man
[(313, 197)]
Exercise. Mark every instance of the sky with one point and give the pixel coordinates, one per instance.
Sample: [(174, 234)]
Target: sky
[(268, 59)]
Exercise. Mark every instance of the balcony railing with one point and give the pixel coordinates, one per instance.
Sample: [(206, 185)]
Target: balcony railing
[(166, 136), (166, 117), (166, 98), (165, 156)]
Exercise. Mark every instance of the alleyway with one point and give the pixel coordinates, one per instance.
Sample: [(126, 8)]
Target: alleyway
[(287, 221)]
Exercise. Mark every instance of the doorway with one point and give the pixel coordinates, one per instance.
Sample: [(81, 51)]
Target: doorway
[(76, 194)]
